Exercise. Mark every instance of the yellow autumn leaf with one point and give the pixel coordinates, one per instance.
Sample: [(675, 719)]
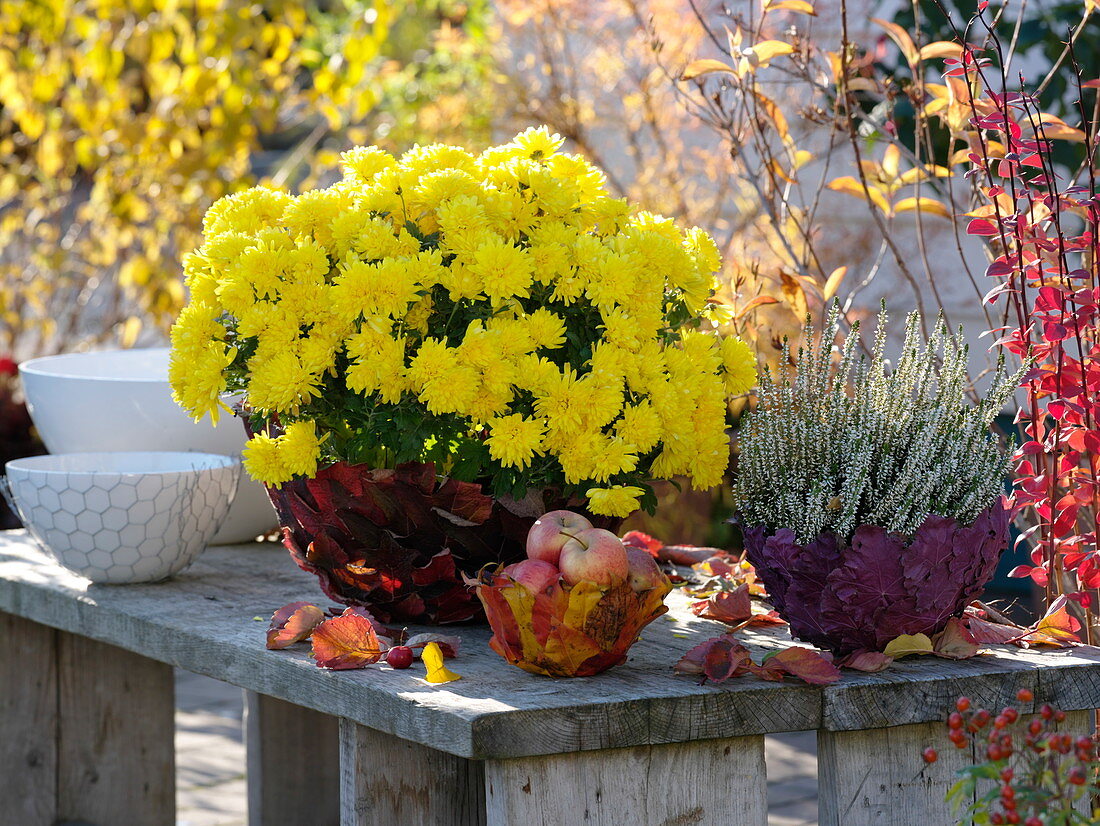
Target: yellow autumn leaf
[(850, 186), (908, 644), (760, 55), (941, 48), (901, 37), (832, 284), (704, 66), (800, 6), (433, 662), (922, 205)]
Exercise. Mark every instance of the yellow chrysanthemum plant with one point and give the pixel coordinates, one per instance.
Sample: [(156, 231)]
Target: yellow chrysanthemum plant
[(499, 316)]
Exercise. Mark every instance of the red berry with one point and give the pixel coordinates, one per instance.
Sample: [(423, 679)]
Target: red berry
[(1033, 821), (1012, 817), (1046, 712), (1007, 792), (1000, 721), (958, 738), (955, 720), (982, 717), (1035, 726), (993, 753), (1024, 695), (1059, 716), (963, 703), (400, 656), (1077, 776), (930, 755), (1007, 774), (1011, 714), (997, 819)]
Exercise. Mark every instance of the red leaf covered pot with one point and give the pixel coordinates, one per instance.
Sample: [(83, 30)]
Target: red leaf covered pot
[(397, 541), (859, 595)]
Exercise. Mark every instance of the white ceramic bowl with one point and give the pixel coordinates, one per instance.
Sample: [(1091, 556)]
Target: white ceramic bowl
[(121, 400), (123, 517)]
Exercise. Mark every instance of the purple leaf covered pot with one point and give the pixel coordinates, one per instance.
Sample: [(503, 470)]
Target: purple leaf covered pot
[(859, 595)]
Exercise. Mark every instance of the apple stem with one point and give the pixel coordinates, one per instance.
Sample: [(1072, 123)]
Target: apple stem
[(575, 538)]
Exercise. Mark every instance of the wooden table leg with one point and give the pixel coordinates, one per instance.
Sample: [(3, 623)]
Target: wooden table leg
[(88, 730), (387, 781), (703, 783), (293, 764), (878, 776)]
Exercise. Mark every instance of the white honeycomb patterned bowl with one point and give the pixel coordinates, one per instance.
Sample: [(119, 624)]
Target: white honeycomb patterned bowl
[(121, 400), (123, 517)]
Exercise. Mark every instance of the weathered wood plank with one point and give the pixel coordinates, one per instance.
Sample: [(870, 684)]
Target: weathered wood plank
[(116, 735), (293, 764), (879, 776), (709, 783), (386, 780), (204, 621), (28, 722)]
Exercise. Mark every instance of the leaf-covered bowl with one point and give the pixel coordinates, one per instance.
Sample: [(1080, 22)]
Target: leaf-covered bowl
[(858, 595), (563, 630)]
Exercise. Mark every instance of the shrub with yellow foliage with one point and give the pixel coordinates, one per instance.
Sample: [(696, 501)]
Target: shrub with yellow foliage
[(500, 315), (123, 121)]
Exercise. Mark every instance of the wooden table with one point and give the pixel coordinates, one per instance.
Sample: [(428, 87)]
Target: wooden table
[(86, 716)]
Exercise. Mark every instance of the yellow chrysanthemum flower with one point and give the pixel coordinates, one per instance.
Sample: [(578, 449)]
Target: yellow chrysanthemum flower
[(738, 366), (263, 463), (514, 440), (503, 269), (618, 500), (299, 448), (362, 164), (280, 383)]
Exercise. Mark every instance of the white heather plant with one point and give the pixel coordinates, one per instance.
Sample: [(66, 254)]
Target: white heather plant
[(855, 444)]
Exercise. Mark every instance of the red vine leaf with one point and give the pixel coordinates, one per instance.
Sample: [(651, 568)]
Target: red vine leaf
[(346, 641), (293, 623), (721, 658)]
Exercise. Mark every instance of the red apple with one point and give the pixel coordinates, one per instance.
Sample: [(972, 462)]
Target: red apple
[(533, 574), (644, 573), (594, 555), (551, 532)]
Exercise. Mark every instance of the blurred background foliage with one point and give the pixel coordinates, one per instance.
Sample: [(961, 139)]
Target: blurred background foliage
[(122, 120)]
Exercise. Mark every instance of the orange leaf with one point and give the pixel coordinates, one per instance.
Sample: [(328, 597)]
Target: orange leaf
[(759, 301), (1056, 129), (346, 641), (955, 642), (704, 66), (293, 623), (902, 38), (922, 205), (1058, 628)]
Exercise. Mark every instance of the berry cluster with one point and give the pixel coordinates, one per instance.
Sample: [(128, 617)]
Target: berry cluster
[(1040, 774)]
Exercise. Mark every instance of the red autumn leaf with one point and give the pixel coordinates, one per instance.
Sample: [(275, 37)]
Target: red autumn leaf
[(869, 661), (643, 541), (721, 658), (985, 632), (716, 659), (293, 623), (955, 642), (764, 618), (731, 607), (804, 663), (447, 644), (346, 641)]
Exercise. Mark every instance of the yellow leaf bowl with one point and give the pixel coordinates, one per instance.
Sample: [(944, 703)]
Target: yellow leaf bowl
[(567, 631)]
